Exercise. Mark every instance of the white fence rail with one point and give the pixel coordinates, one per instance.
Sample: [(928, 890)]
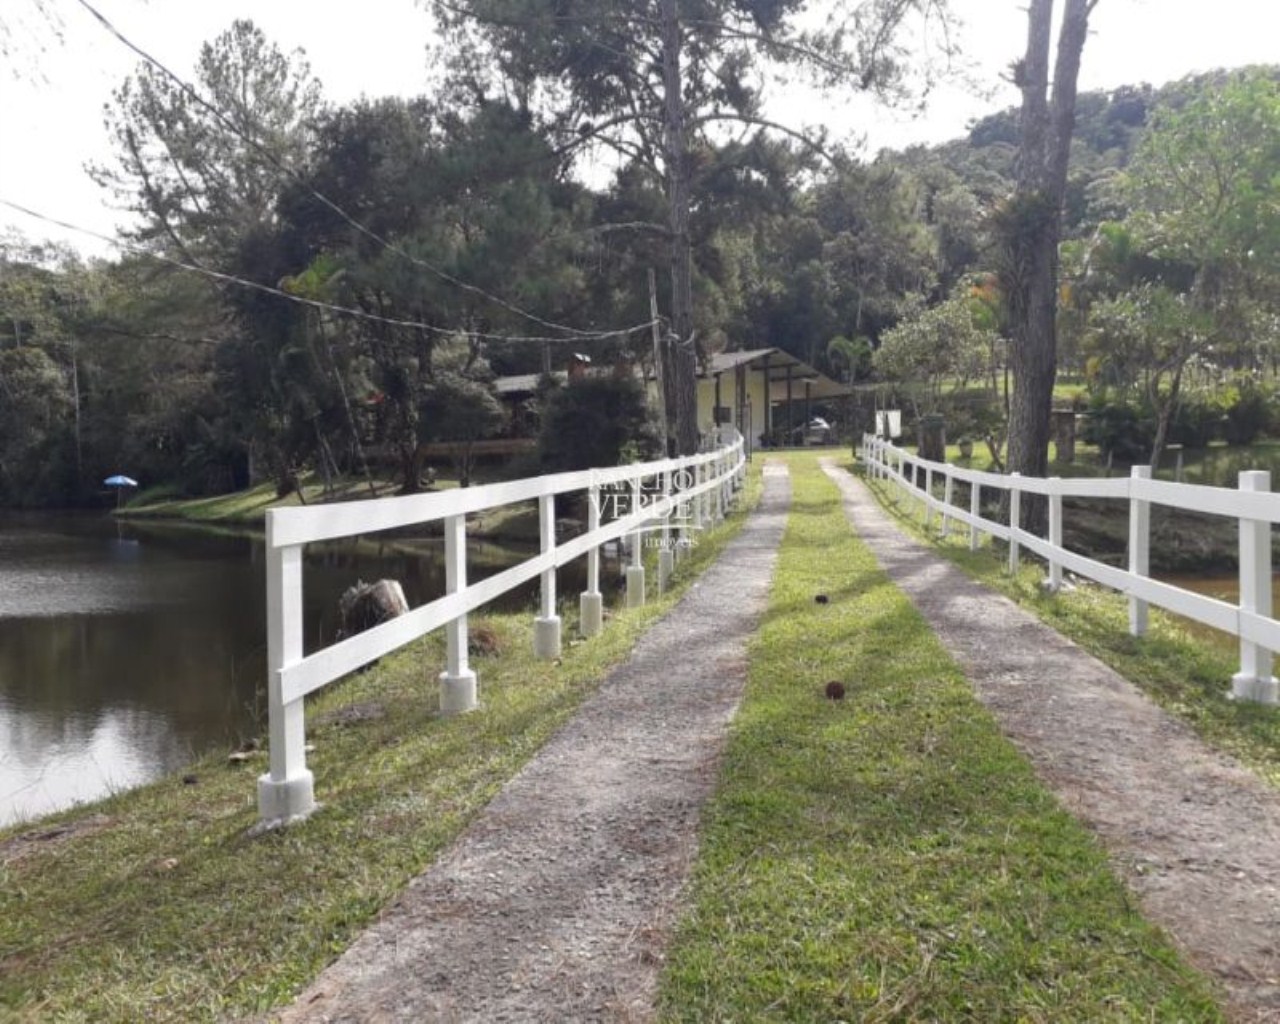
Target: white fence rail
[(673, 496), (1252, 505)]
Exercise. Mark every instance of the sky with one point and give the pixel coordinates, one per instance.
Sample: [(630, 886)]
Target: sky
[(53, 92)]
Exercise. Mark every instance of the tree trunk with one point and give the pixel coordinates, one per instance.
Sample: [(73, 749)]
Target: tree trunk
[(410, 467), (1032, 228), (75, 394), (346, 407), (680, 377), (1164, 414)]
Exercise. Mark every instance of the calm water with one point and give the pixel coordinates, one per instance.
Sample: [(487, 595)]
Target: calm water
[(125, 650)]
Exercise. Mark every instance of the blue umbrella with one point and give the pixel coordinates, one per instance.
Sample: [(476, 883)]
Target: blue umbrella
[(120, 482)]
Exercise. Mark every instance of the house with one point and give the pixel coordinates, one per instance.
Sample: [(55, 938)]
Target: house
[(516, 391), (766, 393)]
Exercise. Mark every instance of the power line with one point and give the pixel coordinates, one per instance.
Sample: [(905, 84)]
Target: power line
[(275, 162), (315, 303)]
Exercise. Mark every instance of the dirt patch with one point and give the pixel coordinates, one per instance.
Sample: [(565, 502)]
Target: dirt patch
[(352, 714), (557, 903), (44, 839), (1194, 834)]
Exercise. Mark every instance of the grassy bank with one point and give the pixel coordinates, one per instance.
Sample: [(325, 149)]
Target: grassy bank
[(890, 856), (248, 508), (154, 905), (1185, 673)]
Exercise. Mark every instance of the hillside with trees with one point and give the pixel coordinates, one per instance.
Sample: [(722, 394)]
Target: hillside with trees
[(318, 288)]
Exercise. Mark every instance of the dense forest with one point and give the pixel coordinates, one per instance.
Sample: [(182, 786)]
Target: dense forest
[(315, 286)]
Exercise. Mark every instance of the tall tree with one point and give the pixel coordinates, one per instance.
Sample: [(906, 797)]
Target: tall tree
[(1205, 194), (200, 180), (204, 166), (1030, 228), (654, 80)]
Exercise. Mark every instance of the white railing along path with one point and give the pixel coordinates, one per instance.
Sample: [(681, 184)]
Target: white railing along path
[(623, 501), (1253, 505)]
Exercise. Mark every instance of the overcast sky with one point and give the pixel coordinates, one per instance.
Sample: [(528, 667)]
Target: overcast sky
[(51, 99)]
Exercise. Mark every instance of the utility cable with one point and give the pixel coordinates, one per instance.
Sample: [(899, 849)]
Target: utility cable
[(277, 163), (313, 303)]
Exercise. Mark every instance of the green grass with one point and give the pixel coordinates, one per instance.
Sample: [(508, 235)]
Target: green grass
[(171, 913), (891, 856), (518, 522), (1182, 670), (250, 505), (1087, 462)]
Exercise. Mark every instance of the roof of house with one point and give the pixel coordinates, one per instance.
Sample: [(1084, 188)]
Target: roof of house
[(778, 364), (523, 383), (775, 359)]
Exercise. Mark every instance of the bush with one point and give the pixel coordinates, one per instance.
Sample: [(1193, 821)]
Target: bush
[(1122, 430), (596, 421), (1249, 414), (1197, 420), (1238, 414)]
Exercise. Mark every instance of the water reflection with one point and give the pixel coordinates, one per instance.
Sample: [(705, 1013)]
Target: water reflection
[(125, 650)]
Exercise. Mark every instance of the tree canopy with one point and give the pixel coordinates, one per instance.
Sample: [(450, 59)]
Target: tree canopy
[(354, 275)]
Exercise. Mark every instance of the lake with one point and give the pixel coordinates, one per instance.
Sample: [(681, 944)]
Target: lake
[(128, 649)]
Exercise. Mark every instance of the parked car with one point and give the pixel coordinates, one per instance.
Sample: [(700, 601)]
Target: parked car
[(817, 432)]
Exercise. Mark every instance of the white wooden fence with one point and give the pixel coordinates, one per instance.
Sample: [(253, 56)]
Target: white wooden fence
[(673, 496), (1252, 505)]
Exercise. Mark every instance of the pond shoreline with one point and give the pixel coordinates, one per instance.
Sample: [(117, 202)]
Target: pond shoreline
[(515, 524), (129, 645)]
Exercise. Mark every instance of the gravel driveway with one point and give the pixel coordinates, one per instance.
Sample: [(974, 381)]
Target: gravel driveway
[(1194, 834), (557, 902)]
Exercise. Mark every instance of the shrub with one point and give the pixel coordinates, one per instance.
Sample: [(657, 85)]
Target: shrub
[(1198, 419), (1121, 429), (596, 421), (1248, 414)]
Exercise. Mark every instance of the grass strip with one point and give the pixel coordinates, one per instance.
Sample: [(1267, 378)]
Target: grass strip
[(1184, 668), (517, 522), (890, 856), (159, 908)]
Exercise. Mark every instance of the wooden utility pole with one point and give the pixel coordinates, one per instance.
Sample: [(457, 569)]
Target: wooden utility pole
[(681, 376), (658, 362)]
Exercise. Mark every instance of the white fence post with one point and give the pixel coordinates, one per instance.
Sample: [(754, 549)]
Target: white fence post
[(1254, 681), (684, 510), (975, 509), (698, 477), (287, 791), (722, 470), (546, 628), (457, 681), (1055, 534), (635, 571), (948, 489), (666, 557), (1015, 521), (1139, 550), (591, 601), (717, 468), (928, 497)]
